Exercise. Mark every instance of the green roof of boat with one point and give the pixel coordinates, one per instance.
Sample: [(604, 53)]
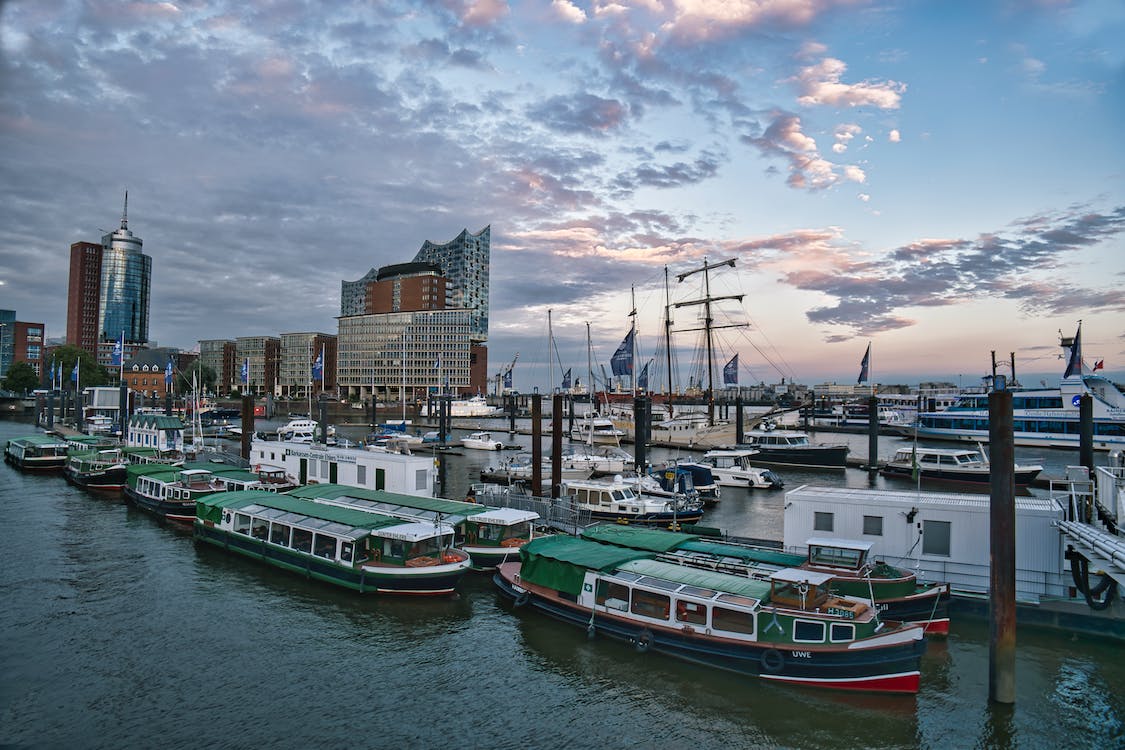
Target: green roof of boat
[(706, 579), (579, 552), (635, 537), (40, 440), (239, 499), (434, 504)]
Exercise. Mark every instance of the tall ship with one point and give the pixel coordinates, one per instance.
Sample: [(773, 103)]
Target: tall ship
[(1041, 417)]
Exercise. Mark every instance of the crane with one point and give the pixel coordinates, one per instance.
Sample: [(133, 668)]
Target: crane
[(504, 373)]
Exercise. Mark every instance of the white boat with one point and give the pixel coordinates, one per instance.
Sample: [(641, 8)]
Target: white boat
[(620, 501), (374, 468), (476, 406), (518, 469), (960, 465), (732, 468), (596, 429), (302, 430), (605, 459), (481, 441)]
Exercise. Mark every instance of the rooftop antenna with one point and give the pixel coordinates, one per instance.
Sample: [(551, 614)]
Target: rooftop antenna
[(125, 213)]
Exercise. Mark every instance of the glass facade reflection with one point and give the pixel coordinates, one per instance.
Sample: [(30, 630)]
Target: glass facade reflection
[(126, 277)]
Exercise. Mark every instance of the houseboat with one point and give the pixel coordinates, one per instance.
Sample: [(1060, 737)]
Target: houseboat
[(897, 593), (615, 500), (363, 551), (954, 465), (732, 468), (789, 629), (36, 453), (371, 467), (489, 535)]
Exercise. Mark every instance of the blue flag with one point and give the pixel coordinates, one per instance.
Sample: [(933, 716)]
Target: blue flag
[(508, 379), (168, 373), (74, 372), (1074, 364), (318, 367), (642, 379), (622, 360), (566, 379), (118, 350), (52, 372), (730, 371), (246, 371), (863, 366)]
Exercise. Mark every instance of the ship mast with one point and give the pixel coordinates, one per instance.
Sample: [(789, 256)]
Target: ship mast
[(708, 324), (668, 341)]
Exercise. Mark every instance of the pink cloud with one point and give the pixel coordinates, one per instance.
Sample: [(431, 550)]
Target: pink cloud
[(820, 84)]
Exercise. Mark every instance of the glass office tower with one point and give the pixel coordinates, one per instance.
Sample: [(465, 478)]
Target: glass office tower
[(125, 283)]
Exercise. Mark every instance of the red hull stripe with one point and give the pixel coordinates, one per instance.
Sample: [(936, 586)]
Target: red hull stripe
[(940, 627), (904, 682)]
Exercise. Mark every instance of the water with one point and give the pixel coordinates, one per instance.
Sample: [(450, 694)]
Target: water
[(120, 632)]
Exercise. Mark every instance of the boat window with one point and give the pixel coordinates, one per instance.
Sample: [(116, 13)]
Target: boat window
[(835, 556), (259, 528), (324, 546), (744, 601), (649, 604), (424, 548), (324, 469), (691, 612), (822, 521), (279, 534), (659, 583), (347, 550), (696, 591), (840, 632), (732, 620), (398, 548), (808, 631), (873, 525), (927, 458), (302, 540), (242, 523), (521, 530), (612, 595), (488, 532), (936, 538)]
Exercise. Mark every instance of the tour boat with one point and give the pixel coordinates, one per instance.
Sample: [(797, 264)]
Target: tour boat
[(359, 550), (732, 468), (616, 500), (951, 465), (36, 453), (481, 441), (490, 535), (792, 448), (897, 593), (171, 491), (789, 629), (303, 431), (104, 469)]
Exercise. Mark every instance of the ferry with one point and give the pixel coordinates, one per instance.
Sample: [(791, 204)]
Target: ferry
[(36, 453), (104, 470), (170, 491), (897, 593), (358, 550), (788, 629), (489, 535)]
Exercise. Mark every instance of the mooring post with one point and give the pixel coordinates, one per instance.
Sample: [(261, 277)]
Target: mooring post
[(738, 431), (536, 445), (511, 400), (51, 410), (1086, 432), (556, 444), (640, 434), (247, 425), (1002, 533), (873, 433), (123, 411)]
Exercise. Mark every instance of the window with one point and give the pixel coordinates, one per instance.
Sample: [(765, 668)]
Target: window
[(324, 469), (822, 521), (649, 604), (841, 632), (325, 546), (691, 612), (279, 534), (420, 479), (242, 523), (613, 595), (259, 528), (935, 538), (347, 549), (806, 631), (873, 525), (302, 540), (732, 620), (361, 474)]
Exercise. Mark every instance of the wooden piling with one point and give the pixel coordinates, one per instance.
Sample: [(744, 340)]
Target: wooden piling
[(537, 445), (1086, 432), (247, 425), (556, 443), (873, 433), (1002, 532)]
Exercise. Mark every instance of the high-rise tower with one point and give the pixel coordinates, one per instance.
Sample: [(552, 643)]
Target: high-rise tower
[(125, 282), (464, 262)]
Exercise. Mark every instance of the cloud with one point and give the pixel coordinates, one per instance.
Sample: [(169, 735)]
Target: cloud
[(568, 11), (843, 135), (696, 21), (807, 169), (820, 84), (894, 136), (580, 113)]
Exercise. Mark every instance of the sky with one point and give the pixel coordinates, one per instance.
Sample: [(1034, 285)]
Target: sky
[(936, 180)]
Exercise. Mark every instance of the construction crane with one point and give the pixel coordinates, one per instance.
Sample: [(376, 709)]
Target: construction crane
[(503, 373)]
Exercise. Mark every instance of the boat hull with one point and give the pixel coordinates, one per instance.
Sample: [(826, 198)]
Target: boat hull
[(812, 457), (172, 510), (442, 579), (891, 668), (110, 479), (979, 477), (687, 516)]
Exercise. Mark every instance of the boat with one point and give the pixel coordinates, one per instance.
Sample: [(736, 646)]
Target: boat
[(106, 469), (388, 467), (792, 448), (303, 431), (481, 441), (951, 465), (517, 468), (598, 459), (475, 406), (790, 629), (732, 468), (702, 484), (593, 428), (897, 593), (620, 501), (490, 535), (365, 552), (36, 453), (170, 492)]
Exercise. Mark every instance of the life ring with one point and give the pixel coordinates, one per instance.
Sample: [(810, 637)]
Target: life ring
[(644, 641), (522, 598), (772, 661)]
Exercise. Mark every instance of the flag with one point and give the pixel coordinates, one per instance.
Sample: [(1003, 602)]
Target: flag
[(1100, 364), (566, 379), (74, 372), (622, 360), (437, 362), (1075, 364), (863, 366), (246, 371), (168, 373), (642, 379), (730, 371), (508, 379), (52, 372), (318, 367), (118, 351)]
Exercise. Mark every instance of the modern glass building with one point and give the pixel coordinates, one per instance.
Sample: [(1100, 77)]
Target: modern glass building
[(126, 277), (464, 261)]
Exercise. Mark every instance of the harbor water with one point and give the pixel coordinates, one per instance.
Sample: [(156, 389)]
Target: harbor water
[(119, 631)]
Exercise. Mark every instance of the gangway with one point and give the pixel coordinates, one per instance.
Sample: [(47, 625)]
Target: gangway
[(1092, 548)]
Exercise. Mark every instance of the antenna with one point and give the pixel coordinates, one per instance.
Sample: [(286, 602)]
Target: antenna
[(125, 213)]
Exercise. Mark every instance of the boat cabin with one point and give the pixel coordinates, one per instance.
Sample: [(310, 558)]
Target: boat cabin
[(838, 553), (616, 497)]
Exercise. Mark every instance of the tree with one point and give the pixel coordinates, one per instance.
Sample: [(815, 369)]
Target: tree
[(205, 378), (21, 378), (90, 373)]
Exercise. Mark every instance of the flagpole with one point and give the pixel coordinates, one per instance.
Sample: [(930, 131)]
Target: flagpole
[(308, 356)]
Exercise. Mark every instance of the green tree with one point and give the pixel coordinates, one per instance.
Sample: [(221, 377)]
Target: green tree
[(21, 378), (90, 373), (205, 377)]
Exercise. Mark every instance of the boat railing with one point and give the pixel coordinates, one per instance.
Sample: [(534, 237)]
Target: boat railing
[(1075, 493), (558, 513)]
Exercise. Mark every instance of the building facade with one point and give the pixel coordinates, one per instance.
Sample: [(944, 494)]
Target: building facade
[(406, 287), (83, 296), (125, 286), (353, 294), (21, 341), (261, 356), (298, 353), (464, 261), (146, 374), (220, 356)]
